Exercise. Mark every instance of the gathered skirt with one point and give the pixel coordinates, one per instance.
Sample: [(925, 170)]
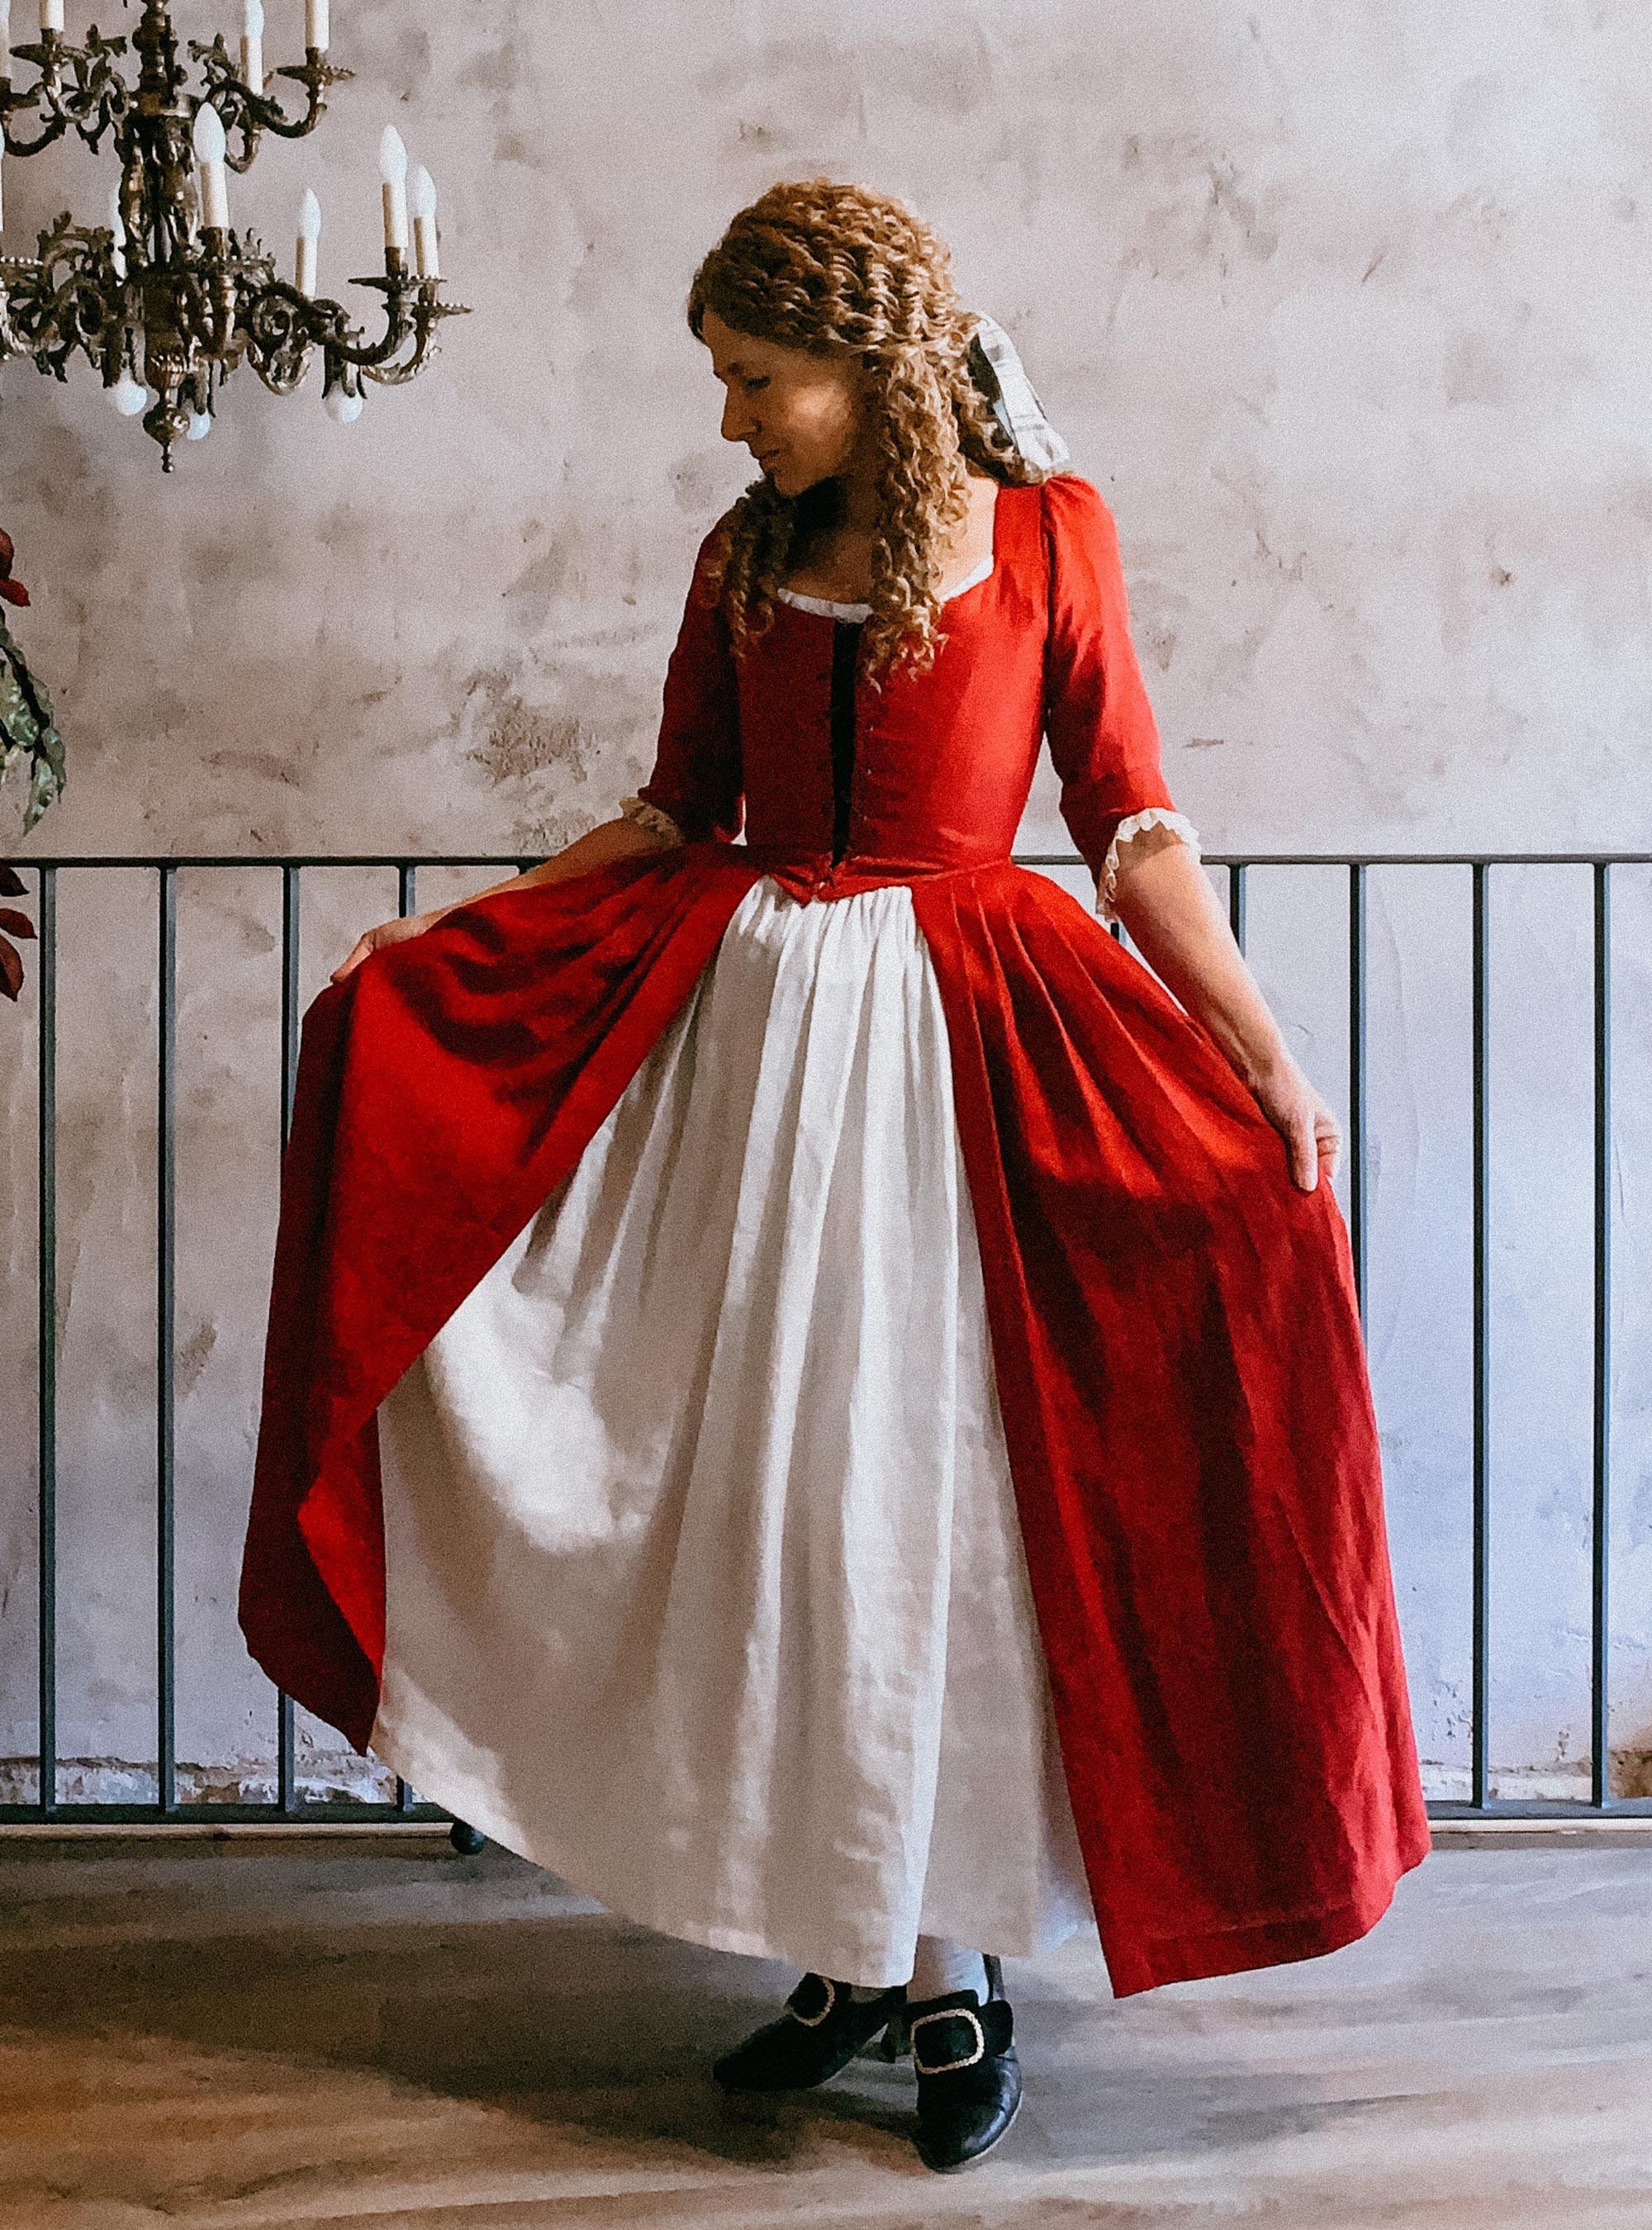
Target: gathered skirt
[(705, 1584)]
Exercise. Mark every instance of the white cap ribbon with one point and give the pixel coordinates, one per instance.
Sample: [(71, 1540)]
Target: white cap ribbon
[(997, 370)]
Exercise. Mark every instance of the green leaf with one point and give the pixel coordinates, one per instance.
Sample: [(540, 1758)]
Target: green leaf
[(29, 731)]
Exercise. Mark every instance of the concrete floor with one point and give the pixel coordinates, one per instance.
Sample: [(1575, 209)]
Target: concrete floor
[(225, 2035)]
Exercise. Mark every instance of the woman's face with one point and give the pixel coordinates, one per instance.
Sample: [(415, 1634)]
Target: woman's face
[(802, 416)]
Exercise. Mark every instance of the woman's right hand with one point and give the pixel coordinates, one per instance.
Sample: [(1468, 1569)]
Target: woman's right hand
[(387, 932)]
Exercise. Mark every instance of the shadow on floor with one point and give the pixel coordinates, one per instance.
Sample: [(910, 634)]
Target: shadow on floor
[(262, 2033)]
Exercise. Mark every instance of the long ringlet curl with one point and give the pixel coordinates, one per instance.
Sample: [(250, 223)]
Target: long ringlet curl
[(819, 265)]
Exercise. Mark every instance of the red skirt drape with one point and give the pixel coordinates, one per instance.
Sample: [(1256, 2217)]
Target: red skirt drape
[(1174, 1339)]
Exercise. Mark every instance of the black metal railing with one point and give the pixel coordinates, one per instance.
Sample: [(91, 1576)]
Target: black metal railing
[(288, 1803)]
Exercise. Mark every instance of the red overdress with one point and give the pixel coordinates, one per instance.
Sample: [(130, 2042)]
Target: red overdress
[(1176, 1340)]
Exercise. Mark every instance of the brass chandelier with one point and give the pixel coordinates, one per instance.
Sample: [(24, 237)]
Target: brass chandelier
[(166, 299)]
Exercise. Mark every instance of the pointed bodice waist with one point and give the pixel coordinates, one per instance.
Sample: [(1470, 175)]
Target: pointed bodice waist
[(812, 872)]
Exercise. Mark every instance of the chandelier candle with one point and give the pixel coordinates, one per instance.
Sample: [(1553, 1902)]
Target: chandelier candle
[(210, 148), (252, 46), (392, 168), (51, 14), (318, 30), (426, 254), (309, 235)]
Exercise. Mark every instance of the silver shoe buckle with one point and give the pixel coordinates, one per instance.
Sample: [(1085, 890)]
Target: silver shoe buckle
[(952, 2012)]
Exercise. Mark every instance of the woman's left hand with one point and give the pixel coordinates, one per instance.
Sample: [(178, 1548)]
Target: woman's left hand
[(1312, 1134), (1166, 902)]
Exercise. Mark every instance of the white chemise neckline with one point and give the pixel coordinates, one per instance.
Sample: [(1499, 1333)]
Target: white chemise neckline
[(835, 610), (830, 609)]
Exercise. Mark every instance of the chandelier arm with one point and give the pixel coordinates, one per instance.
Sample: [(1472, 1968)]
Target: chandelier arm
[(65, 300), (369, 356), (315, 74), (102, 94), (281, 380), (412, 307), (246, 110), (279, 327), (97, 97), (240, 124), (426, 319), (54, 131)]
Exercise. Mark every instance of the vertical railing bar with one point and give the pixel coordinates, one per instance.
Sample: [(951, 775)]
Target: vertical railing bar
[(1600, 1628), (1236, 904), (1357, 1079), (1479, 1737), (285, 1742), (291, 923), (165, 1307), (46, 1337)]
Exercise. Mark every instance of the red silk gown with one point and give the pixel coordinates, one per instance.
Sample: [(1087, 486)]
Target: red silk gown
[(1175, 1335)]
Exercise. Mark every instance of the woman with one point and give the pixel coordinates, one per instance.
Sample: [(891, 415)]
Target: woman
[(805, 1391)]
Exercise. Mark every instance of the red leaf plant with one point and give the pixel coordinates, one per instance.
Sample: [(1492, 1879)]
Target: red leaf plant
[(27, 730)]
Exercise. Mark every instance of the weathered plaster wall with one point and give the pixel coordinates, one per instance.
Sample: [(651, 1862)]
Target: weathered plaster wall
[(1343, 306)]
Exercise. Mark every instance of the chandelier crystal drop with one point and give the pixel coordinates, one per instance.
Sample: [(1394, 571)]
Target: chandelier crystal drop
[(167, 298)]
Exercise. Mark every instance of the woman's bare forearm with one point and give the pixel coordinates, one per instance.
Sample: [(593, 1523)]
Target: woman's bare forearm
[(621, 839), (1167, 903)]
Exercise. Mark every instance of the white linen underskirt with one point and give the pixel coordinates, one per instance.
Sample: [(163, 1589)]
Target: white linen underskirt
[(704, 1585)]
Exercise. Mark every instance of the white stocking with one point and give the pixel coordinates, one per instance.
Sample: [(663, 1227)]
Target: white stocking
[(940, 1966)]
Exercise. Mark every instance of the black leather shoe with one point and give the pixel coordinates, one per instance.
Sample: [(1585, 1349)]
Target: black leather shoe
[(815, 2039), (968, 2078)]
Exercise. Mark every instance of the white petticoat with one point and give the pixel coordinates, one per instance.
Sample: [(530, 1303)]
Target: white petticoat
[(705, 1589)]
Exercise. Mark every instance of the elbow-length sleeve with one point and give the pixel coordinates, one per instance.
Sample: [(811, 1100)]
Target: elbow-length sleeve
[(696, 790), (1103, 738)]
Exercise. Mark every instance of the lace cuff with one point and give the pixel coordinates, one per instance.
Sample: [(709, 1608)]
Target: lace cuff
[(650, 817), (1155, 816)]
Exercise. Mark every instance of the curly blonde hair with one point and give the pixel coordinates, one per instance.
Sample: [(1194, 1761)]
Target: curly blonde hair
[(815, 265)]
